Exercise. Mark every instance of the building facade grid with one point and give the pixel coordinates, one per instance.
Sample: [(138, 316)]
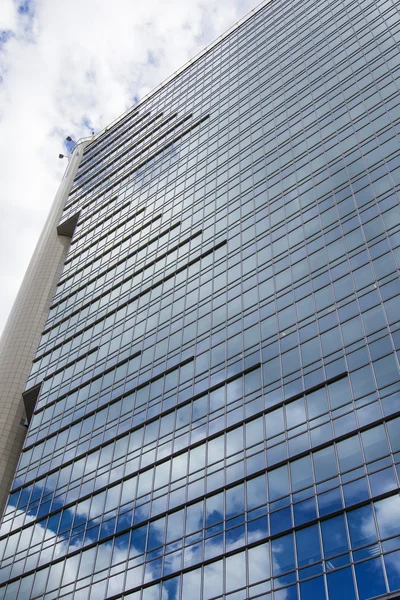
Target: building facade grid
[(218, 382)]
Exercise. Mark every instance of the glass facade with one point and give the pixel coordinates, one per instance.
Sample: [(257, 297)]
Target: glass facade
[(218, 381)]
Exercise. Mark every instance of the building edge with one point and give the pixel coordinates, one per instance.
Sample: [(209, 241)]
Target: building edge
[(181, 69), (21, 334)]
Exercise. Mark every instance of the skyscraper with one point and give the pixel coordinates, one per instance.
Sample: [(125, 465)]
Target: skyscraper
[(214, 401)]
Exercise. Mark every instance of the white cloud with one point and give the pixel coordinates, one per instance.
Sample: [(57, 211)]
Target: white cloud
[(68, 67), (8, 16), (100, 558)]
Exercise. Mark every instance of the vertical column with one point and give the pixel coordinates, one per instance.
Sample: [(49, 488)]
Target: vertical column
[(25, 323)]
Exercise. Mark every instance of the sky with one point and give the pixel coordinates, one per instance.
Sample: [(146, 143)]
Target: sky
[(68, 68)]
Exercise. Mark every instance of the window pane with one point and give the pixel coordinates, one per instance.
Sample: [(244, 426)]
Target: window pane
[(349, 452), (340, 585), (213, 579), (312, 589), (334, 536), (392, 562), (308, 547), (259, 563), (235, 571), (191, 582), (375, 443), (361, 526), (370, 580), (388, 516), (325, 463), (278, 483), (283, 554)]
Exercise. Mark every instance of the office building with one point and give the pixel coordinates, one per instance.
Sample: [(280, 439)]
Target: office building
[(214, 400)]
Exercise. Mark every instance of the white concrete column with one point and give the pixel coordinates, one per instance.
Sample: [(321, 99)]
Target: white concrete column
[(25, 323)]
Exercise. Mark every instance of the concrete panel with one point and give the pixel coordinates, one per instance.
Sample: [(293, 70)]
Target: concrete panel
[(25, 323)]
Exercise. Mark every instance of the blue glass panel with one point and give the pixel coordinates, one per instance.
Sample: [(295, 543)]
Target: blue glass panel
[(356, 491), (383, 481), (340, 585), (278, 483), (304, 511), (235, 571), (394, 432), (392, 563), (362, 526), (325, 463), (289, 593), (308, 546), (375, 443), (329, 501), (213, 579), (191, 584), (258, 528), (256, 492), (151, 592), (138, 540), (334, 536), (312, 589), (281, 520), (349, 452), (283, 554), (370, 579), (294, 176), (384, 510), (170, 589), (259, 563), (301, 473)]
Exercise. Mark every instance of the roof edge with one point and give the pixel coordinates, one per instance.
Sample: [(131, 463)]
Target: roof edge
[(170, 78)]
